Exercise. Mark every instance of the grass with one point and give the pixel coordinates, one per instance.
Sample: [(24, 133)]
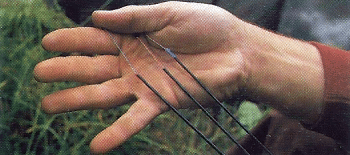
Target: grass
[(26, 129)]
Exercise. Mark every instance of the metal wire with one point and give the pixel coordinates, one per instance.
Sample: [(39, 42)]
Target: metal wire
[(194, 100), (163, 99), (173, 55)]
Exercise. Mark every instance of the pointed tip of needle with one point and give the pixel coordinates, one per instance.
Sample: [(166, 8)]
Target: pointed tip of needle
[(155, 42), (123, 54)]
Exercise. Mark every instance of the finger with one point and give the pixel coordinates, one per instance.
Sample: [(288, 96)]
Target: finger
[(82, 39), (106, 95), (79, 69), (140, 114), (134, 19)]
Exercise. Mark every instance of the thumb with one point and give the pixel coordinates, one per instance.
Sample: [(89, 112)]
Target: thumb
[(134, 19)]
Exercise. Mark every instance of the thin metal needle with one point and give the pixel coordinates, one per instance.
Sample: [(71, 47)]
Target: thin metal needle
[(123, 54), (192, 98), (163, 99), (173, 55), (180, 115)]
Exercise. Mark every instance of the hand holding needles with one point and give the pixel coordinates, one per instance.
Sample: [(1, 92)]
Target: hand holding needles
[(210, 43), (117, 89)]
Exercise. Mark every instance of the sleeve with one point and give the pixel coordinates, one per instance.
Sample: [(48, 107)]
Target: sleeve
[(335, 120)]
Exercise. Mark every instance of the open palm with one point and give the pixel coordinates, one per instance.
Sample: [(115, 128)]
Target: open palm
[(201, 35)]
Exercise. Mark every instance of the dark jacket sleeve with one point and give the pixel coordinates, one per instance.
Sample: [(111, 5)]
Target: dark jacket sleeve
[(330, 135)]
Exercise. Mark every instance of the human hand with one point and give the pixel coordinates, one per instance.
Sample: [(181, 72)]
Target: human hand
[(225, 53), (203, 37)]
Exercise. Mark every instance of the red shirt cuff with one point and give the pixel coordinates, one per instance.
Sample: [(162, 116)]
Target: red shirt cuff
[(336, 64), (335, 120)]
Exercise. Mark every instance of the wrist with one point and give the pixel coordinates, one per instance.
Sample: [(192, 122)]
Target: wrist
[(284, 73)]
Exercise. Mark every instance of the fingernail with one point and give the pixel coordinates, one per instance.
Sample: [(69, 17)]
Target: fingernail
[(101, 11)]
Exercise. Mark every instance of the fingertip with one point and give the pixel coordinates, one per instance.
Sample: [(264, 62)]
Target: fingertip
[(52, 41), (47, 41), (96, 17), (101, 144), (79, 39), (37, 72), (40, 71), (43, 71), (133, 19), (54, 103), (47, 105), (95, 147), (132, 122), (98, 13), (104, 18)]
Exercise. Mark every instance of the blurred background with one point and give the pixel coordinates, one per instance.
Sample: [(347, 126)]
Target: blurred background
[(25, 129)]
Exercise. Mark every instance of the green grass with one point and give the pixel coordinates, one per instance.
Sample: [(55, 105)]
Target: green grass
[(26, 129)]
